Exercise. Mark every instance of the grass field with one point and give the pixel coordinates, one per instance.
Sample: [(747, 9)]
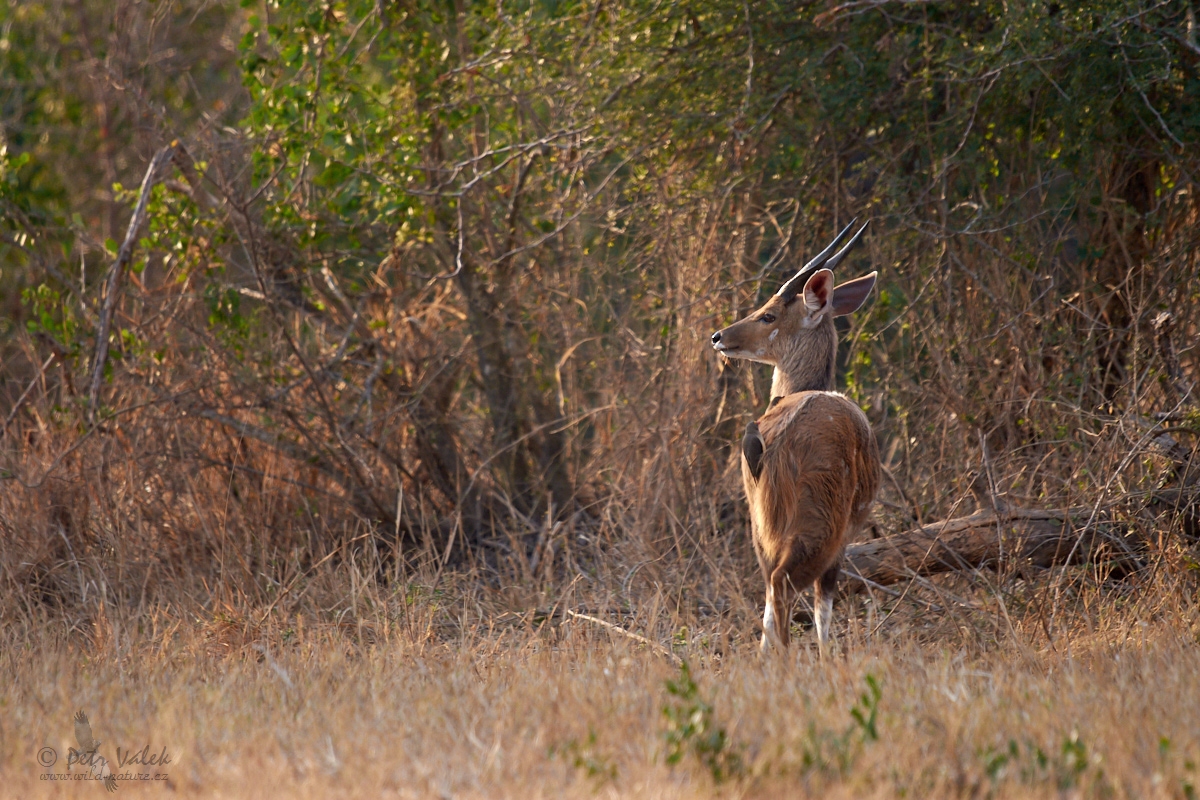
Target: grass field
[(414, 695), (362, 435)]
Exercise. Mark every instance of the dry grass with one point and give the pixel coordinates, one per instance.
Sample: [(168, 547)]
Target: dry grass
[(215, 594), (441, 693), (306, 549), (275, 645)]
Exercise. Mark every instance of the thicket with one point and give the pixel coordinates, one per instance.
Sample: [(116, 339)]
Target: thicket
[(437, 280)]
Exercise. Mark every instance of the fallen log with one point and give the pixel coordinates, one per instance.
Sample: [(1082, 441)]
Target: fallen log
[(998, 536), (989, 539)]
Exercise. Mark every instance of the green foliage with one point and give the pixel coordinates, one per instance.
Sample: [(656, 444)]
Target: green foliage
[(584, 756), (1074, 760), (86, 89), (835, 753), (867, 709), (52, 317), (692, 728), (350, 100), (1187, 782), (1031, 765)]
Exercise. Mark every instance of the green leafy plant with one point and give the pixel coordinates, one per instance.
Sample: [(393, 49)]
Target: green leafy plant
[(866, 710), (692, 728), (1186, 783), (50, 316), (827, 751), (583, 756), (1032, 765), (1073, 760)]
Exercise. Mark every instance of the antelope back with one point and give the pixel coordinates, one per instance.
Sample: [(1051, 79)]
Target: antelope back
[(818, 474)]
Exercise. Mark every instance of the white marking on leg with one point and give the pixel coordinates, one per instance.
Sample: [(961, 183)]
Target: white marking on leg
[(768, 640), (824, 619)]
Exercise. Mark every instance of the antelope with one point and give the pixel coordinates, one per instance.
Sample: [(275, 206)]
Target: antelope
[(810, 464)]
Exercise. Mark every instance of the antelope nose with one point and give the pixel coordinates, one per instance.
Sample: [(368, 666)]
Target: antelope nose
[(716, 338)]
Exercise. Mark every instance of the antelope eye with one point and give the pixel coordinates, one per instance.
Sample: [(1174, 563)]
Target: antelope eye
[(767, 318)]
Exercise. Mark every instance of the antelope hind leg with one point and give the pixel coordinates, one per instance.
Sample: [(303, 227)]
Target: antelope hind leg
[(823, 591), (775, 618)]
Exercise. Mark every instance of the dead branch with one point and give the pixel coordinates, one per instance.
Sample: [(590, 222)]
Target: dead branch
[(117, 271), (653, 645), (1177, 385), (987, 539), (25, 394)]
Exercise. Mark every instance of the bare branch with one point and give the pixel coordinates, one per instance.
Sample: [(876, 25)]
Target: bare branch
[(116, 272)]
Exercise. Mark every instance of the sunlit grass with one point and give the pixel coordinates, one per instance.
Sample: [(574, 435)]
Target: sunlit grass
[(506, 707)]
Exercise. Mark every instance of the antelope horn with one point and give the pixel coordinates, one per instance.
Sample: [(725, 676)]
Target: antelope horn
[(822, 259), (792, 288), (836, 259)]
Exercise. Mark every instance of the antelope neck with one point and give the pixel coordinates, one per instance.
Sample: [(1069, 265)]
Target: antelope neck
[(807, 365)]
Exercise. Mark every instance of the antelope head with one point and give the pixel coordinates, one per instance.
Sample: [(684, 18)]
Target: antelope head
[(794, 329)]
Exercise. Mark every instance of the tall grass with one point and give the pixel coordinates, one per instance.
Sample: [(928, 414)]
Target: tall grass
[(415, 691), (299, 546)]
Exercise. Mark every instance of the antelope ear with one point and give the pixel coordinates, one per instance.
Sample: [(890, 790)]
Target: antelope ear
[(850, 296), (817, 291)]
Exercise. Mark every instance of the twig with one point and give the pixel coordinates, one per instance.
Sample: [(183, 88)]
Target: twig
[(21, 400), (913, 507), (861, 7), (57, 460), (890, 592), (1147, 437), (653, 645), (1164, 340), (1146, 100), (274, 665), (310, 571), (458, 260), (116, 272)]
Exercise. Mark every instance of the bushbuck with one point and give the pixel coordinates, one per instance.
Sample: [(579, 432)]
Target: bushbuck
[(810, 464)]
